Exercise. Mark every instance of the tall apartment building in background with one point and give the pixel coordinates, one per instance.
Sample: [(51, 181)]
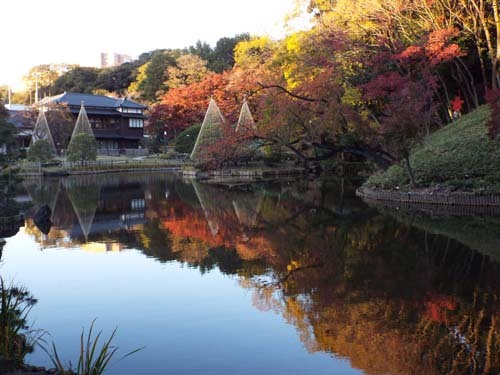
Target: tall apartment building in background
[(109, 59)]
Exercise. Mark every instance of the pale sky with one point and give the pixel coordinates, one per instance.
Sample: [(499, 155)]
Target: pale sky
[(75, 32)]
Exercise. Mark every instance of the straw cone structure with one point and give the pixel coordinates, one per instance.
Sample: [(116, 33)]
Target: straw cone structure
[(42, 132), (211, 130), (82, 125)]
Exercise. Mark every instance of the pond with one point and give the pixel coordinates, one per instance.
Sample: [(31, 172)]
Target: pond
[(280, 277)]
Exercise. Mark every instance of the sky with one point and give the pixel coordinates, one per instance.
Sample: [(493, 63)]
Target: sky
[(76, 32)]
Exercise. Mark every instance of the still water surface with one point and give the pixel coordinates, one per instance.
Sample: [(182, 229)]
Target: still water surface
[(286, 277)]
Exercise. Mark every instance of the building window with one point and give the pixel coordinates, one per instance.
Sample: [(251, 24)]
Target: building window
[(129, 110), (137, 204), (96, 123), (135, 123), (108, 145)]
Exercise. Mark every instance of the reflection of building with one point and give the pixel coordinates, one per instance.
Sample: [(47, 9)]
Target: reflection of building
[(87, 210), (114, 215), (109, 59), (118, 124)]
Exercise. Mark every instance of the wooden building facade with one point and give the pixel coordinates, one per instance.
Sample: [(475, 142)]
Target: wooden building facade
[(118, 124)]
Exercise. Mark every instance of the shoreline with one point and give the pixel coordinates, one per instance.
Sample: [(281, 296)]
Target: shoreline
[(438, 201), (219, 175)]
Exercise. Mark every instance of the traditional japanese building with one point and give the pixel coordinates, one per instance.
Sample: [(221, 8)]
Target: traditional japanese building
[(118, 124), (24, 133)]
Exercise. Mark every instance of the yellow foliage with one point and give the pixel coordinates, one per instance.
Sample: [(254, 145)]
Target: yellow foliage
[(354, 16), (352, 96), (293, 265), (141, 76), (251, 53)]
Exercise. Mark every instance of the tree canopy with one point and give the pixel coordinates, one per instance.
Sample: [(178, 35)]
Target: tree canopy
[(369, 78)]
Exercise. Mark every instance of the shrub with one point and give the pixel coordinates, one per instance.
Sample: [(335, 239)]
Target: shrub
[(83, 147), (184, 143), (40, 151)]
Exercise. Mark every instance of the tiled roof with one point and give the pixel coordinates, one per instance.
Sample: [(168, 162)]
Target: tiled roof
[(16, 118), (90, 100)]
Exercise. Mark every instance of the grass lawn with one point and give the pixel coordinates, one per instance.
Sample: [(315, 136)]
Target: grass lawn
[(458, 157)]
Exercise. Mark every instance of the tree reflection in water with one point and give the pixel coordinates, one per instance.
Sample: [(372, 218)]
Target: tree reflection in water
[(393, 293)]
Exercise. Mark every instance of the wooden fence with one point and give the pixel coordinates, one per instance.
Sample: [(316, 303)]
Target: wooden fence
[(102, 165)]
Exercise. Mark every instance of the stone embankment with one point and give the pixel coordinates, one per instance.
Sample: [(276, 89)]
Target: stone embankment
[(229, 174), (447, 201)]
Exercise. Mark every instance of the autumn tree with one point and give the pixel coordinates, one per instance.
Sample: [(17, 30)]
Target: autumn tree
[(306, 102), (188, 69), (184, 106), (404, 98), (60, 120)]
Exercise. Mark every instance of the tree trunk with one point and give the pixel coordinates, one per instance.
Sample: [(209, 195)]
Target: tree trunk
[(483, 66), (470, 83), (492, 53), (496, 17), (410, 171)]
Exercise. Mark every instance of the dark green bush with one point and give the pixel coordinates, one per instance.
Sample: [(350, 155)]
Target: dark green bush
[(184, 143)]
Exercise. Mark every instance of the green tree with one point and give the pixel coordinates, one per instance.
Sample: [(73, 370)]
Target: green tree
[(40, 151), (151, 76), (116, 79), (8, 149), (78, 79), (82, 148), (184, 143), (45, 76), (222, 57), (202, 50)]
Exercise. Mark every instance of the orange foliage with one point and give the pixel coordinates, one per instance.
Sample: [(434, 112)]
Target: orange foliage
[(186, 105), (436, 307)]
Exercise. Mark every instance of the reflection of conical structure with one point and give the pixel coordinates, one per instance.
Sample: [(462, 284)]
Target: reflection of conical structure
[(42, 132), (205, 201), (82, 125), (247, 207), (211, 130), (185, 191), (83, 192), (43, 191)]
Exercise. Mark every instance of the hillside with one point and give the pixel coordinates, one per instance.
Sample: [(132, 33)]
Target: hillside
[(458, 157)]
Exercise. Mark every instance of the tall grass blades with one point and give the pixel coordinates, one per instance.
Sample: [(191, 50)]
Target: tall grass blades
[(91, 360), (16, 338)]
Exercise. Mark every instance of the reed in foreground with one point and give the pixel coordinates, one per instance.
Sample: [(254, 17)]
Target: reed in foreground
[(16, 337), (91, 360)]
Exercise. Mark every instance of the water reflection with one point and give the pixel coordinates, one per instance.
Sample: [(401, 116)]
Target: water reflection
[(393, 292)]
